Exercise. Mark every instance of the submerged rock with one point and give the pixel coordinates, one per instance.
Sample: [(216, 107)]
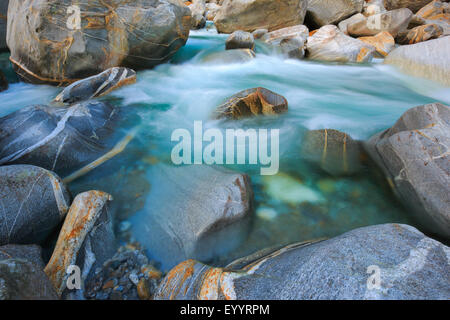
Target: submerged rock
[(425, 59), (334, 151), (414, 157), (331, 44), (58, 139), (59, 42), (34, 201), (86, 240), (230, 56), (249, 15), (97, 86), (22, 280), (383, 42), (420, 34), (394, 22), (323, 12), (409, 264), (413, 5), (252, 102), (31, 253), (196, 212), (240, 40)]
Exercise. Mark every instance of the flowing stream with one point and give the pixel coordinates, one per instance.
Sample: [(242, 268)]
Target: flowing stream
[(358, 99)]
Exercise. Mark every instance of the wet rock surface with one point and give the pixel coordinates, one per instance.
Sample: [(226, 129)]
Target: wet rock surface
[(259, 14), (59, 139), (412, 266), (23, 280), (414, 156), (33, 202), (323, 12), (86, 240), (252, 102), (240, 40), (97, 86), (230, 56), (59, 42), (197, 212)]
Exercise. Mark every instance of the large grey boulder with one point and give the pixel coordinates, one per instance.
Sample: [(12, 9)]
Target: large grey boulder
[(415, 159), (331, 44), (3, 23), (196, 212), (33, 201), (394, 22), (425, 59), (86, 240), (32, 253), (413, 5), (22, 280), (388, 261), (62, 41), (58, 139), (323, 12), (250, 15)]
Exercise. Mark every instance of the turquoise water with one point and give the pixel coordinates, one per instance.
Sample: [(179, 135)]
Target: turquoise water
[(357, 99)]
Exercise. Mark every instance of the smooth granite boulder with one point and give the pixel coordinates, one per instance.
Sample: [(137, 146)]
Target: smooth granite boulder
[(394, 22), (250, 15), (86, 240), (97, 86), (198, 10), (420, 34), (323, 12), (22, 280), (62, 41), (331, 44), (240, 40), (60, 139), (291, 40), (414, 157), (193, 212), (33, 203), (252, 102), (413, 5), (383, 42), (344, 23), (333, 151), (427, 59), (383, 262)]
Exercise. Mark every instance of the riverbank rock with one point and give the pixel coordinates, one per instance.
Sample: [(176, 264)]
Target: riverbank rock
[(22, 280), (291, 40), (394, 22), (249, 15), (97, 86), (3, 24), (413, 5), (196, 212), (252, 102), (240, 40), (344, 23), (334, 151), (33, 201), (331, 44), (211, 11), (198, 10), (32, 253), (414, 157), (86, 240), (323, 12), (230, 56), (407, 264), (59, 139), (383, 42), (436, 12), (425, 59), (59, 42), (420, 34), (372, 7)]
